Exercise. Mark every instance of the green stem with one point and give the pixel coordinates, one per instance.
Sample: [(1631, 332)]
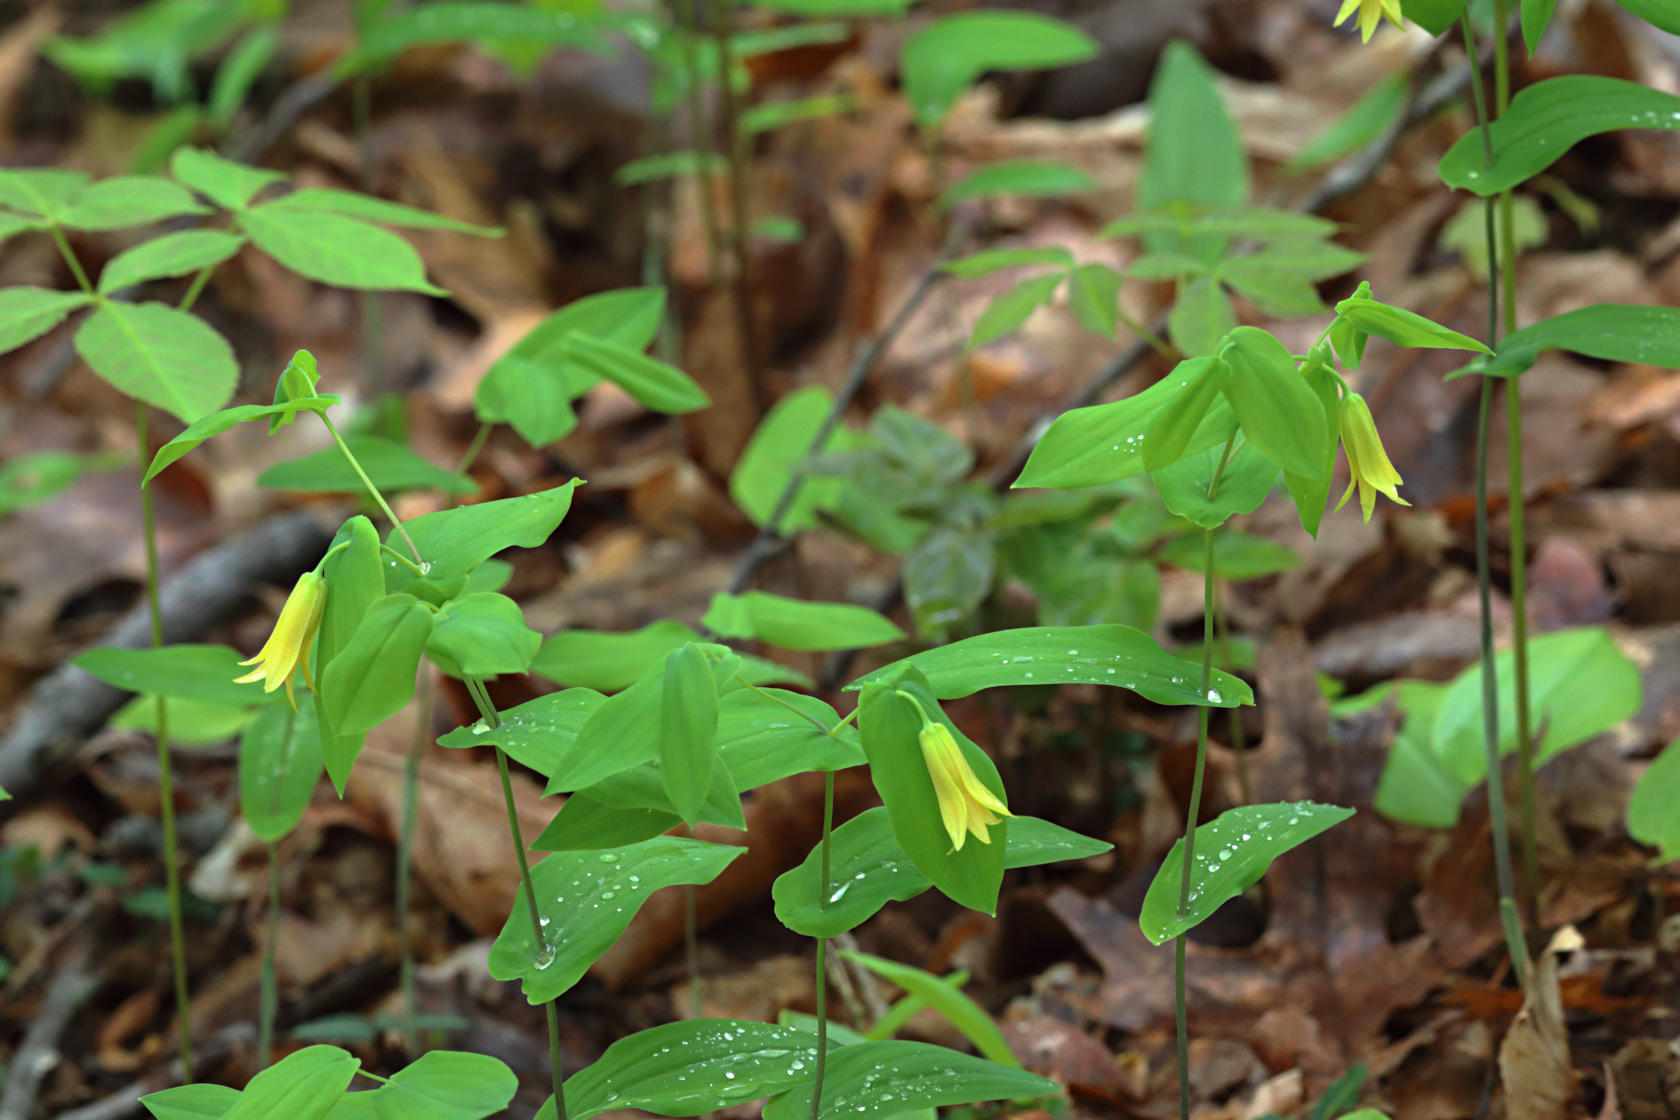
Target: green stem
[(470, 456), (1514, 470), (687, 21), (76, 269), (166, 780), (379, 498), (822, 951), (734, 150), (270, 982), (1179, 985), (405, 857), (1222, 630), (361, 109), (1514, 941), (196, 288), (487, 709)]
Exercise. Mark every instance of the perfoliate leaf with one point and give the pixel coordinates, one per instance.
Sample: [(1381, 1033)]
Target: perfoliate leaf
[(372, 677), (873, 1079), (482, 635), (1279, 413), (279, 765), (688, 725)]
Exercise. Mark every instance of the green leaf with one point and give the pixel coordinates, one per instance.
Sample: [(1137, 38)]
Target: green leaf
[(1658, 13), (1194, 154), (229, 185), (191, 722), (867, 870), (891, 714), (891, 1078), (762, 741), (797, 624), (587, 824), (1006, 312), (391, 466), (173, 254), (691, 1068), (303, 1085), (446, 1085), (1248, 477), (946, 576), (1536, 14), (39, 192), (185, 672), (688, 724), (961, 1011), (1201, 316), (191, 1102), (477, 21), (36, 477), (1580, 683), (772, 115), (159, 355), (1279, 413), (127, 200), (1104, 443), (837, 9), (13, 224), (335, 250), (1466, 232), (1236, 556), (1373, 114), (454, 541), (482, 635), (539, 733), (224, 420), (946, 57), (988, 261), (622, 733), (279, 766), (1094, 298), (1650, 813), (609, 662), (372, 677), (1232, 852), (240, 70), (1038, 655), (534, 399), (1608, 331), (1020, 178), (1434, 16), (1311, 494), (1548, 118), (668, 165), (776, 450), (653, 383), (28, 313), (1178, 421), (355, 579), (589, 899), (1415, 786), (367, 208)]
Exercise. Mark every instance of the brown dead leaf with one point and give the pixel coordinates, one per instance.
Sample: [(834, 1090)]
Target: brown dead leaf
[(1534, 1066)]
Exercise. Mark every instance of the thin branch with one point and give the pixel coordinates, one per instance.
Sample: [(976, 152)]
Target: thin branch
[(39, 1054)]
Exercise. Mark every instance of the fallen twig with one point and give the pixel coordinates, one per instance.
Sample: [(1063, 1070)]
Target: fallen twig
[(68, 705), (38, 1054)]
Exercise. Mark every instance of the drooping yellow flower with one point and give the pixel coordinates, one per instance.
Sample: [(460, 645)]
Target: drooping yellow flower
[(287, 648), (1367, 461), (1371, 12), (966, 806)]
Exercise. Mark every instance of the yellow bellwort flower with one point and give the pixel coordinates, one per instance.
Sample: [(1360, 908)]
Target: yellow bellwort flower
[(966, 806), (1371, 13), (1367, 461), (287, 648)]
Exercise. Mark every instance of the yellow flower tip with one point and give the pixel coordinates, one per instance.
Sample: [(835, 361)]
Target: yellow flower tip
[(966, 806), (287, 647), (1371, 13), (1368, 463)]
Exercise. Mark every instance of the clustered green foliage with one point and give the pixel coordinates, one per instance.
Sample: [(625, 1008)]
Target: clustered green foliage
[(668, 727)]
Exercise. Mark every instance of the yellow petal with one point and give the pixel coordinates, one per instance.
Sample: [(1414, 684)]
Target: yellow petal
[(1348, 8)]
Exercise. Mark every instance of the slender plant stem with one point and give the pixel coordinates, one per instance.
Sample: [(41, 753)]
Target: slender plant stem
[(734, 150), (1222, 630), (470, 456), (684, 13), (372, 311), (1498, 821), (270, 981), (822, 950), (1180, 999), (166, 780), (405, 856), (487, 709), (1517, 499), (76, 269), (379, 498)]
